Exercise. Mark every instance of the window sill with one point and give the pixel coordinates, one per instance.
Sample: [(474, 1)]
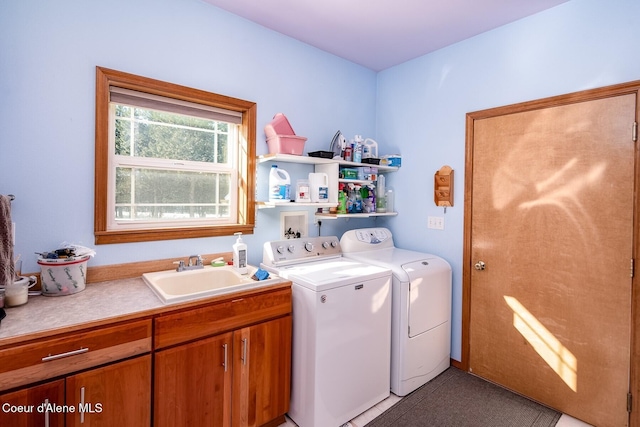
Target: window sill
[(131, 236)]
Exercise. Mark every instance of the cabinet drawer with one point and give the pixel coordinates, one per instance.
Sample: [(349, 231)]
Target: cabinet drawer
[(219, 317), (48, 358)]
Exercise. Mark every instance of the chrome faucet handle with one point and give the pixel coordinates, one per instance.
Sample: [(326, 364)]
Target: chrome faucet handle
[(180, 265)]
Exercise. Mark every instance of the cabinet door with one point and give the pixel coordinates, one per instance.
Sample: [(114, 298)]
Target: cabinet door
[(193, 384), (37, 402), (261, 372), (114, 395)]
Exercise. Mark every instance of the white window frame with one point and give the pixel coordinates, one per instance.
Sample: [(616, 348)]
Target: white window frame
[(116, 161)]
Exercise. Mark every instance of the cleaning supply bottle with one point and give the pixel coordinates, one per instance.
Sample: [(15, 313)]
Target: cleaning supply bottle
[(240, 255), (357, 149), (381, 199), (279, 184), (319, 187), (351, 199), (358, 203), (342, 199), (370, 202), (369, 149), (389, 200)]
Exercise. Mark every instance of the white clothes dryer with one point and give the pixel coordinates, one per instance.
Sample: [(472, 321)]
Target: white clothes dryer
[(341, 330), (421, 306)]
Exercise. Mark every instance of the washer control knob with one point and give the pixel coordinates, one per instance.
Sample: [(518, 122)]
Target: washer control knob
[(334, 243), (325, 245), (308, 246), (291, 248), (280, 249)]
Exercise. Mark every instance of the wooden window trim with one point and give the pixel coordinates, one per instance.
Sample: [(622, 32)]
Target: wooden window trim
[(247, 155)]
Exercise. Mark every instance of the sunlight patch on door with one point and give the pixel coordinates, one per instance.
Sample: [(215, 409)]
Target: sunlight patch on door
[(556, 355)]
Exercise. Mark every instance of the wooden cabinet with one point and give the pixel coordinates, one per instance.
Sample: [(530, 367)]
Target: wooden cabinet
[(223, 363), (261, 373), (31, 407), (105, 393), (236, 378), (114, 395), (192, 384), (54, 357)]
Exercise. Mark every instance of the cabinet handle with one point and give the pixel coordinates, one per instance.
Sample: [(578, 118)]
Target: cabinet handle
[(244, 351), (82, 405), (67, 354), (224, 363), (46, 413)]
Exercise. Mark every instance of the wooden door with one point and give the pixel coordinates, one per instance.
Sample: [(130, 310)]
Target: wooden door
[(114, 395), (192, 384), (261, 373), (38, 402), (551, 244)]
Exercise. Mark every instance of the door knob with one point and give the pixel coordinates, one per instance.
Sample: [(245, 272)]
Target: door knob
[(480, 265)]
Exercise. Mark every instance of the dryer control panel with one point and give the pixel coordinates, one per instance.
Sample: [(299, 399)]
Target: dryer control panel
[(366, 239)]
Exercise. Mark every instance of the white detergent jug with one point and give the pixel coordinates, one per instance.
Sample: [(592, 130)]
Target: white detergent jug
[(279, 184), (369, 149), (319, 187)]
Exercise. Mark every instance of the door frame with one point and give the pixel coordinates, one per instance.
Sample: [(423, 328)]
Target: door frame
[(467, 262)]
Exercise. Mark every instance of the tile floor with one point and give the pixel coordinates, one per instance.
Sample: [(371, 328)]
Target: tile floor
[(364, 418)]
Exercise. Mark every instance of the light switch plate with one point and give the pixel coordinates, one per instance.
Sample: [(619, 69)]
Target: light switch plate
[(435, 222)]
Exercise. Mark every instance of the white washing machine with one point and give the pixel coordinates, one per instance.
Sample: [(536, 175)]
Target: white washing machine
[(421, 307), (341, 330)]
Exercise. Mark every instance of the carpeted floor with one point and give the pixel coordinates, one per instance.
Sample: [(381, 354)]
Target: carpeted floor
[(459, 399)]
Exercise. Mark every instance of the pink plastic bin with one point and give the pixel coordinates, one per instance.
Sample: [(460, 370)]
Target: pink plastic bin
[(286, 144), (278, 126)]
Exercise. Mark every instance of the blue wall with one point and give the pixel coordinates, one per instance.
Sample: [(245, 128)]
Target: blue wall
[(49, 51), (422, 104), (48, 55)]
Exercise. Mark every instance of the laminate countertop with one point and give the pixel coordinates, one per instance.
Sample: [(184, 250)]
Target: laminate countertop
[(99, 303)]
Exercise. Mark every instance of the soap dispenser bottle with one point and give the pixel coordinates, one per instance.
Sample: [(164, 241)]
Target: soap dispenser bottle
[(240, 255)]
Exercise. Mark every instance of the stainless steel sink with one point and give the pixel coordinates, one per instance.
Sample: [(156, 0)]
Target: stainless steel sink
[(172, 286)]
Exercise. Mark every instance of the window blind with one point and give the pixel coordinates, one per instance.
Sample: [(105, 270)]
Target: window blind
[(178, 106)]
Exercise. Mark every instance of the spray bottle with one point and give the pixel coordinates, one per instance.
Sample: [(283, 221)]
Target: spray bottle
[(370, 200), (342, 199), (357, 149), (351, 199), (240, 255), (357, 208)]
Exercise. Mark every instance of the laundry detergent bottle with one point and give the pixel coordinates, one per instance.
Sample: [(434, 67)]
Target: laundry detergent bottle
[(279, 185)]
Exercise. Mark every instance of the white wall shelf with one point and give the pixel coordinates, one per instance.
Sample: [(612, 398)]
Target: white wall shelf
[(331, 167), (267, 204), (291, 158), (356, 215)]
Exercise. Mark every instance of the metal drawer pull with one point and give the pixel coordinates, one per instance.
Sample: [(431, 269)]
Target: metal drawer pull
[(46, 413), (82, 405), (67, 354), (224, 346), (244, 351)]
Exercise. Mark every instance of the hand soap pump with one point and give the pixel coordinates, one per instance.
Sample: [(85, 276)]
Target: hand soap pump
[(240, 255)]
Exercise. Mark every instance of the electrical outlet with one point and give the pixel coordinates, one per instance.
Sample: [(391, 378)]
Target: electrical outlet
[(435, 222)]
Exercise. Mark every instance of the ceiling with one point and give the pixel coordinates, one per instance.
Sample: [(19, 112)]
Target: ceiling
[(379, 34)]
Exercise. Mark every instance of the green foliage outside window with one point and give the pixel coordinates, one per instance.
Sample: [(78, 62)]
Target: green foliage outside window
[(160, 194)]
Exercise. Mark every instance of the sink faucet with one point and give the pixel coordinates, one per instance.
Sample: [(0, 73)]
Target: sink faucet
[(191, 265)]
